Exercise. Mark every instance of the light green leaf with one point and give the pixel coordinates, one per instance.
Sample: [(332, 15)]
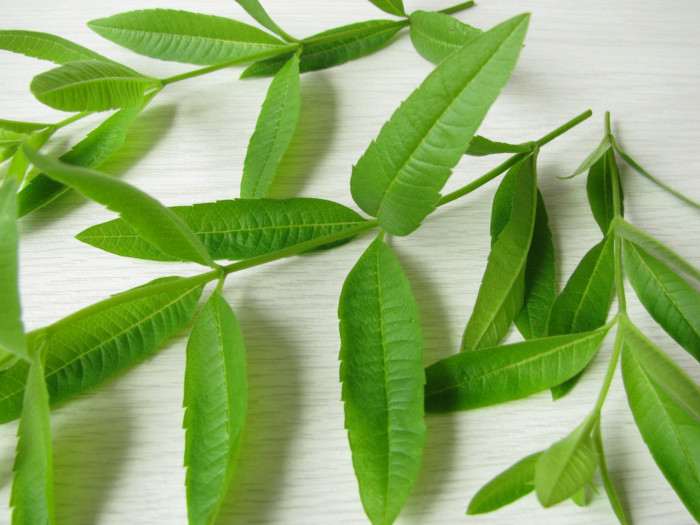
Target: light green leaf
[(332, 48), (599, 186), (579, 498), (95, 343), (256, 10), (669, 428), (671, 301), (437, 35), (215, 400), (91, 85), (481, 146), (32, 488), (20, 163), (46, 47), (22, 128), (6, 153), (234, 230), (12, 337), (399, 177), (510, 485), (99, 145), (182, 36), (382, 374), (502, 289), (156, 223), (567, 466), (627, 231), (592, 158), (393, 7), (273, 131), (490, 376), (10, 138), (607, 480)]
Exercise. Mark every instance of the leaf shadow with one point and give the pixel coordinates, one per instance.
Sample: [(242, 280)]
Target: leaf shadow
[(274, 407), (314, 132)]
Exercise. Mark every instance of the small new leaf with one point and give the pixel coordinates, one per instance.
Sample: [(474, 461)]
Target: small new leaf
[(256, 10), (481, 147), (382, 374), (46, 47), (393, 7), (437, 35), (593, 157)]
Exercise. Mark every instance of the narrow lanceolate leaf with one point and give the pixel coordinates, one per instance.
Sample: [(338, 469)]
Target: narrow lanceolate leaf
[(510, 485), (665, 408), (437, 35), (332, 48), (215, 401), (156, 223), (599, 186), (256, 10), (496, 375), (182, 36), (273, 131), (32, 488), (91, 85), (670, 299), (393, 7), (234, 230), (502, 289), (46, 47), (99, 145), (20, 163), (20, 127), (633, 234), (593, 157), (566, 467), (382, 374), (481, 146), (607, 480), (99, 341), (399, 178), (12, 337)]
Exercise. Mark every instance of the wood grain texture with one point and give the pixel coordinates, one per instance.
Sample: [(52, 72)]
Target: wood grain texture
[(118, 449)]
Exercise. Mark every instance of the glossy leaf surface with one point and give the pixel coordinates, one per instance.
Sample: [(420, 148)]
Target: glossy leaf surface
[(46, 47), (436, 35)]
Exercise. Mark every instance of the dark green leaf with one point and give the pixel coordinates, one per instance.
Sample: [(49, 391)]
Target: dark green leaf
[(234, 230), (510, 485), (46, 47), (382, 374), (91, 85), (393, 7), (273, 131), (599, 186), (671, 301), (182, 36), (332, 48), (156, 223), (95, 343), (489, 376), (399, 177), (216, 400), (669, 425), (502, 289), (32, 488), (256, 10), (437, 35), (481, 146)]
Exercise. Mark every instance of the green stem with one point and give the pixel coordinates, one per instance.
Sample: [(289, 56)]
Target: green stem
[(617, 210), (549, 137), (612, 365), (228, 63), (71, 119), (457, 8)]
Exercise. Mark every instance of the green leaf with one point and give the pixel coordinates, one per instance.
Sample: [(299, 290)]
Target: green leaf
[(593, 157), (32, 488), (273, 131), (100, 144), (599, 186), (20, 163), (481, 146), (633, 234), (6, 153), (502, 289), (607, 480), (382, 374), (216, 400), (510, 485), (437, 35), (182, 36), (256, 10), (156, 223), (668, 425), (567, 466), (671, 301), (393, 7), (46, 47), (490, 376), (579, 498), (234, 230), (21, 128), (91, 85), (12, 337), (332, 48), (399, 177), (95, 343)]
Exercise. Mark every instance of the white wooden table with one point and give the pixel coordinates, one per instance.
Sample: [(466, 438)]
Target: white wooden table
[(118, 448)]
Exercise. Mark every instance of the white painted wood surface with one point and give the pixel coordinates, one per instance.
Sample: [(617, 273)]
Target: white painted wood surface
[(118, 449)]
